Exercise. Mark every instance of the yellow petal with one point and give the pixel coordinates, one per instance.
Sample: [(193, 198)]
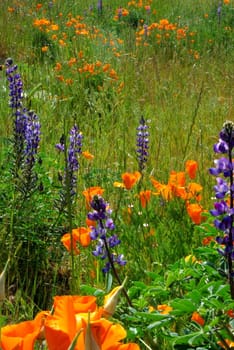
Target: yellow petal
[(119, 184)]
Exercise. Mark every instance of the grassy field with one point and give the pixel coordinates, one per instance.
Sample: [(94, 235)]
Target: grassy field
[(114, 70)]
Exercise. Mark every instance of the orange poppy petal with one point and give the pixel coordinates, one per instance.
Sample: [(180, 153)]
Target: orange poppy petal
[(191, 168), (60, 328)]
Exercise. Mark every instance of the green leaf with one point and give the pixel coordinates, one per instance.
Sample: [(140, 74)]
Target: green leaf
[(182, 306), (160, 323), (192, 339), (73, 343), (171, 278)]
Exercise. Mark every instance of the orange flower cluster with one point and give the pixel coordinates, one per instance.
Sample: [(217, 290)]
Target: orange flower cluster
[(139, 3), (120, 12), (79, 236), (176, 187), (76, 322), (161, 31)]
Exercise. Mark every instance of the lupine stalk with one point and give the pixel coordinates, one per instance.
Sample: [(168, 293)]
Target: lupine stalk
[(224, 192), (142, 143), (71, 161), (26, 127), (69, 181), (102, 232)]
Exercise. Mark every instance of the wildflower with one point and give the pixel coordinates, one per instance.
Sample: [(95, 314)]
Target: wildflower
[(24, 334), (88, 155), (130, 179), (207, 240), (142, 143), (72, 162), (58, 67), (195, 212), (164, 309), (26, 129), (110, 300), (224, 192), (190, 259), (226, 344), (230, 313), (11, 9), (191, 168), (80, 235), (45, 48), (196, 317), (144, 197), (101, 213), (38, 6)]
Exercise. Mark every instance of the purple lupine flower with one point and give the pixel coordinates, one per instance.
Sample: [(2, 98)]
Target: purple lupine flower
[(142, 143), (26, 126), (224, 192), (15, 85), (99, 6), (32, 137), (74, 149), (104, 224), (72, 163)]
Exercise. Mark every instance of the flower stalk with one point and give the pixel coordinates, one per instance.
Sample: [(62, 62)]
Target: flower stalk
[(224, 191)]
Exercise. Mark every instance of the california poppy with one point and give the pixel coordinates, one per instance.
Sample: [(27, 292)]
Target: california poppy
[(196, 317), (164, 309), (195, 212), (22, 336), (144, 197), (130, 179), (191, 168), (80, 235)]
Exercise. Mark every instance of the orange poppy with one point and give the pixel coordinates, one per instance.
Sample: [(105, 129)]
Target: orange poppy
[(163, 190), (207, 240), (130, 179), (196, 317), (80, 235), (194, 190), (144, 197), (22, 336), (74, 315), (87, 155), (191, 168), (177, 178), (164, 309), (195, 212)]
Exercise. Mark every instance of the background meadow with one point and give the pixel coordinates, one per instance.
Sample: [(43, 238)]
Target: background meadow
[(103, 67)]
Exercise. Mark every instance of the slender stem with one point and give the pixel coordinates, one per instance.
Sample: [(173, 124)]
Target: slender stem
[(229, 258), (114, 269)]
